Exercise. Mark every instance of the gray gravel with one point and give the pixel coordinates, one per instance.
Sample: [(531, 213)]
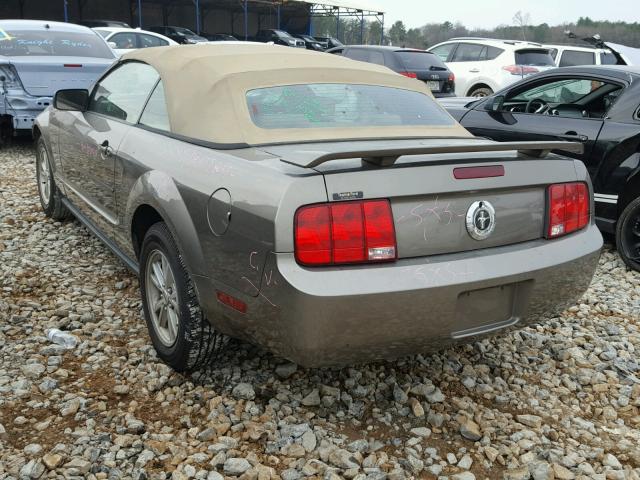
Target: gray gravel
[(560, 400)]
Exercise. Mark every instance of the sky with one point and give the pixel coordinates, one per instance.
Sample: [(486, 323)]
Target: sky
[(491, 13)]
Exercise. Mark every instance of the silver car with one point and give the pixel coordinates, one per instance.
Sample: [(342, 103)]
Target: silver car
[(38, 58), (326, 209)]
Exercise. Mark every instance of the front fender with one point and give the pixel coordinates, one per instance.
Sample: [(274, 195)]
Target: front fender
[(158, 190)]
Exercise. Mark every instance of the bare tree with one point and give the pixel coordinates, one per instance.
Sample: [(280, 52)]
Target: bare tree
[(522, 19)]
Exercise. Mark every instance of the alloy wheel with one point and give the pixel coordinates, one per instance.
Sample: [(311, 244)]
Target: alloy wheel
[(162, 297), (44, 178), (631, 237)]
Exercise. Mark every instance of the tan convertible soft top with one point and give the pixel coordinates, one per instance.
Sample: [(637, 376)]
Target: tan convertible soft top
[(205, 88)]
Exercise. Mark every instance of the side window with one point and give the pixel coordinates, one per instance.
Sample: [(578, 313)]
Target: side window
[(468, 52), (124, 40), (357, 54), (493, 53), (444, 51), (155, 112), (150, 41), (124, 91), (376, 57), (573, 57), (553, 52)]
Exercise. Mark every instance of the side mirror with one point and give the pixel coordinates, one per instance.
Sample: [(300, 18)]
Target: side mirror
[(72, 100), (112, 44), (495, 104)]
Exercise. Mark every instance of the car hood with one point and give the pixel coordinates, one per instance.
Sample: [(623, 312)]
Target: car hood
[(630, 55), (44, 75)]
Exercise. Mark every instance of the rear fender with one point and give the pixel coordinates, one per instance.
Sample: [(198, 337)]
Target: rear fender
[(159, 191)]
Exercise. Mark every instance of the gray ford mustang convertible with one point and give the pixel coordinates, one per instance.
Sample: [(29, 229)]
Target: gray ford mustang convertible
[(326, 209)]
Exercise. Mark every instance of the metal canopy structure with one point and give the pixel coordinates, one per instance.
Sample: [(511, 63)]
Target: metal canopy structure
[(359, 9)]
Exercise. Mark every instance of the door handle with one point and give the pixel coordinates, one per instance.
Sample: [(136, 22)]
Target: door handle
[(574, 137), (474, 70), (105, 149)]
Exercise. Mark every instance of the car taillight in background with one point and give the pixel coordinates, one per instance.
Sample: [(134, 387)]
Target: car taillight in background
[(409, 74), (452, 77), (520, 70), (568, 208), (9, 77), (345, 233)]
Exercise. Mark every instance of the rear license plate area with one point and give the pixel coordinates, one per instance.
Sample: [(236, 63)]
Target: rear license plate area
[(433, 86), (488, 309)]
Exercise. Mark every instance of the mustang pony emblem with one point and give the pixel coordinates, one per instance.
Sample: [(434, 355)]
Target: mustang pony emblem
[(481, 220)]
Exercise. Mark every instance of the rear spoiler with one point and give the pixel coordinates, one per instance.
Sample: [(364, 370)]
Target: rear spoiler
[(388, 156)]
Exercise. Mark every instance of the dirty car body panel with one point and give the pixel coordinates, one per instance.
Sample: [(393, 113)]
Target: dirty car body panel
[(232, 202)]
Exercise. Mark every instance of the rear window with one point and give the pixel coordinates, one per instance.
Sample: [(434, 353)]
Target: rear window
[(421, 61), (334, 105), (24, 43), (538, 58), (608, 58)]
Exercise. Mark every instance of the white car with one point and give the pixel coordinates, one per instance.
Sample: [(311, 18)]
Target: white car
[(483, 66), (573, 56), (123, 40)]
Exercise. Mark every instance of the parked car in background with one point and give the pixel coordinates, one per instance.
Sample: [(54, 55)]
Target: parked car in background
[(219, 37), (179, 34), (37, 58), (311, 43), (104, 23), (484, 66), (573, 55), (294, 193), (330, 42), (279, 37), (419, 64), (595, 105), (123, 40)]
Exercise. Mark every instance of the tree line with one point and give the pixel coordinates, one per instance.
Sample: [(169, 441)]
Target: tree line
[(351, 31)]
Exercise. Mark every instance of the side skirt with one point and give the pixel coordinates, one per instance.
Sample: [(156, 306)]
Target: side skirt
[(128, 261)]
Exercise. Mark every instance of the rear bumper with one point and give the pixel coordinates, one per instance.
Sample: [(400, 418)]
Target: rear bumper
[(22, 108), (359, 314)]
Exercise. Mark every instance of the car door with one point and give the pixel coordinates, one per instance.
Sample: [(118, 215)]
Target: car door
[(467, 63), (89, 140), (564, 121)]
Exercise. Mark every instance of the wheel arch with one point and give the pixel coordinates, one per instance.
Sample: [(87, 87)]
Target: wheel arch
[(479, 84), (630, 192), (155, 197)]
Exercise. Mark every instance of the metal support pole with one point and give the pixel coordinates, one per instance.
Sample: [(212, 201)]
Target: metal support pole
[(278, 13), (140, 13), (197, 16), (338, 25), (362, 29), (66, 10), (246, 20), (382, 31)]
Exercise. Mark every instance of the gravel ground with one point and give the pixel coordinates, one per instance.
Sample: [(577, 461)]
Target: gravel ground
[(560, 400)]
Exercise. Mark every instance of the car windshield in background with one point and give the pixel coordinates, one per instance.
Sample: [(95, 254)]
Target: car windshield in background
[(184, 31), (536, 58), (334, 105), (416, 60), (23, 43)]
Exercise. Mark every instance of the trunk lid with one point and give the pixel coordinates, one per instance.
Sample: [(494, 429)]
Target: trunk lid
[(43, 76), (429, 204)]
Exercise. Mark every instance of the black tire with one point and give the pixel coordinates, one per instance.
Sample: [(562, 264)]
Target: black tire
[(196, 343), (628, 235), (480, 92), (50, 197)]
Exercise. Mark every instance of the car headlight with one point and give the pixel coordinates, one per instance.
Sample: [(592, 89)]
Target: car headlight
[(291, 42), (9, 77)]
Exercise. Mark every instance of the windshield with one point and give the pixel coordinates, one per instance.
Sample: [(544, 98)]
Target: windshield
[(416, 60), (184, 31), (335, 105), (562, 91), (23, 43), (536, 58), (102, 33), (283, 34)]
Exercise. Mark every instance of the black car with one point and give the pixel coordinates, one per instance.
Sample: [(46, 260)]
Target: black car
[(219, 37), (179, 34), (279, 37), (311, 43), (329, 42), (420, 64), (596, 105), (104, 23)]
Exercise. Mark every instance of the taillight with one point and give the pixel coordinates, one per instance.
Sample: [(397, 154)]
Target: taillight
[(409, 74), (345, 233), (520, 70), (452, 77), (568, 208)]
